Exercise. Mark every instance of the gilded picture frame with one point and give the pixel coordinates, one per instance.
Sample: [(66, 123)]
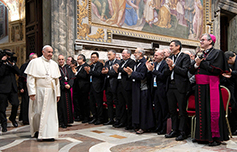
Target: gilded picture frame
[(173, 25)]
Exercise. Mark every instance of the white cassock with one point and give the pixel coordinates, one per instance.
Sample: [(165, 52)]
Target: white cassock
[(43, 82)]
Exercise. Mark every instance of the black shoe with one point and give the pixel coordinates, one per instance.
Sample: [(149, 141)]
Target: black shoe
[(4, 129), (25, 123), (172, 134), (120, 125), (110, 122), (77, 119), (92, 121), (162, 132), (36, 134), (234, 133), (214, 143), (128, 127), (63, 126), (116, 123), (85, 120), (98, 122), (181, 137), (14, 123)]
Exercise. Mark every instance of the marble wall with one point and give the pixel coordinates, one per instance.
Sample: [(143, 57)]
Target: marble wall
[(232, 38), (63, 26)]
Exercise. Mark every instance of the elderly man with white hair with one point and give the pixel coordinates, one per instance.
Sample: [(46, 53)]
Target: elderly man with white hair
[(44, 91)]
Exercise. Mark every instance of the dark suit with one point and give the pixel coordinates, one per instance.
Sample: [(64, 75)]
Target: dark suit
[(24, 96), (142, 112), (176, 91), (96, 90), (159, 93), (111, 86), (124, 93), (81, 92), (8, 91)]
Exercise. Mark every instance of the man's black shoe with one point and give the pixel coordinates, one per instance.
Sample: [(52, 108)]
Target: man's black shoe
[(85, 120), (98, 122), (92, 121), (128, 127), (234, 133), (25, 123), (63, 126), (172, 134), (120, 125), (110, 122), (14, 123), (4, 129), (214, 143), (116, 123), (181, 137), (162, 132), (77, 119), (36, 134)]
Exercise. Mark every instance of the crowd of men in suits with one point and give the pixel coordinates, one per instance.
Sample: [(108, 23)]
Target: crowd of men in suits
[(140, 94)]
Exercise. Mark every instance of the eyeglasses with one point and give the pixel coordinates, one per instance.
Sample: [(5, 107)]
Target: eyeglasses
[(202, 40)]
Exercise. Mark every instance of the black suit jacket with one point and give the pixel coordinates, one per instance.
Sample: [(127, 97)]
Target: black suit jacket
[(66, 71), (7, 78), (161, 77), (126, 82), (112, 79), (181, 73), (97, 77), (82, 81)]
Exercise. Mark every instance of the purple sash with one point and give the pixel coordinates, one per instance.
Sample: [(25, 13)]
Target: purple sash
[(214, 83)]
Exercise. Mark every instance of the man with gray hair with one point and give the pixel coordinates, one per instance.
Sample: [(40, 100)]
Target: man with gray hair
[(124, 91), (23, 91), (44, 91), (142, 114), (111, 84)]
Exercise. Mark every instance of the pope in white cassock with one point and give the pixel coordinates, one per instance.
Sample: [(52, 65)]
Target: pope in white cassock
[(44, 91)]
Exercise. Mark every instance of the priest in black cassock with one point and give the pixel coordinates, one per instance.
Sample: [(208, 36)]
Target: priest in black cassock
[(142, 115), (24, 92), (210, 123), (66, 83)]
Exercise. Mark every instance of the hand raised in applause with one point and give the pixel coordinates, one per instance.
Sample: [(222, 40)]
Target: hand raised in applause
[(87, 69), (198, 60), (128, 70), (149, 66), (105, 70), (115, 67), (170, 63)]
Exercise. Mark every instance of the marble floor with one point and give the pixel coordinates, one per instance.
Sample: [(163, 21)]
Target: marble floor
[(85, 137)]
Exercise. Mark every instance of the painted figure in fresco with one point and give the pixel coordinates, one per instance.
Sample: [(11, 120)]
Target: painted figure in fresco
[(197, 19), (180, 13), (130, 13), (157, 3), (164, 16), (118, 15), (150, 14), (100, 9), (188, 14)]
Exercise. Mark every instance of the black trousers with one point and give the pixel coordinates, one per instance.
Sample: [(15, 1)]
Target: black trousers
[(13, 99), (124, 99), (161, 110), (111, 97), (174, 97), (24, 106), (96, 98), (81, 104)]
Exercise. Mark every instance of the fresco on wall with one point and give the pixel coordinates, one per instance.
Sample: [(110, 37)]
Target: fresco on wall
[(176, 18), (3, 24)]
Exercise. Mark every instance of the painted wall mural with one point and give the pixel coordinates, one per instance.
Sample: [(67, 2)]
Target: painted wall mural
[(174, 18)]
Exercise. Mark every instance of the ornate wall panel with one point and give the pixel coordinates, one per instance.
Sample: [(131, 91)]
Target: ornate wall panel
[(157, 20)]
